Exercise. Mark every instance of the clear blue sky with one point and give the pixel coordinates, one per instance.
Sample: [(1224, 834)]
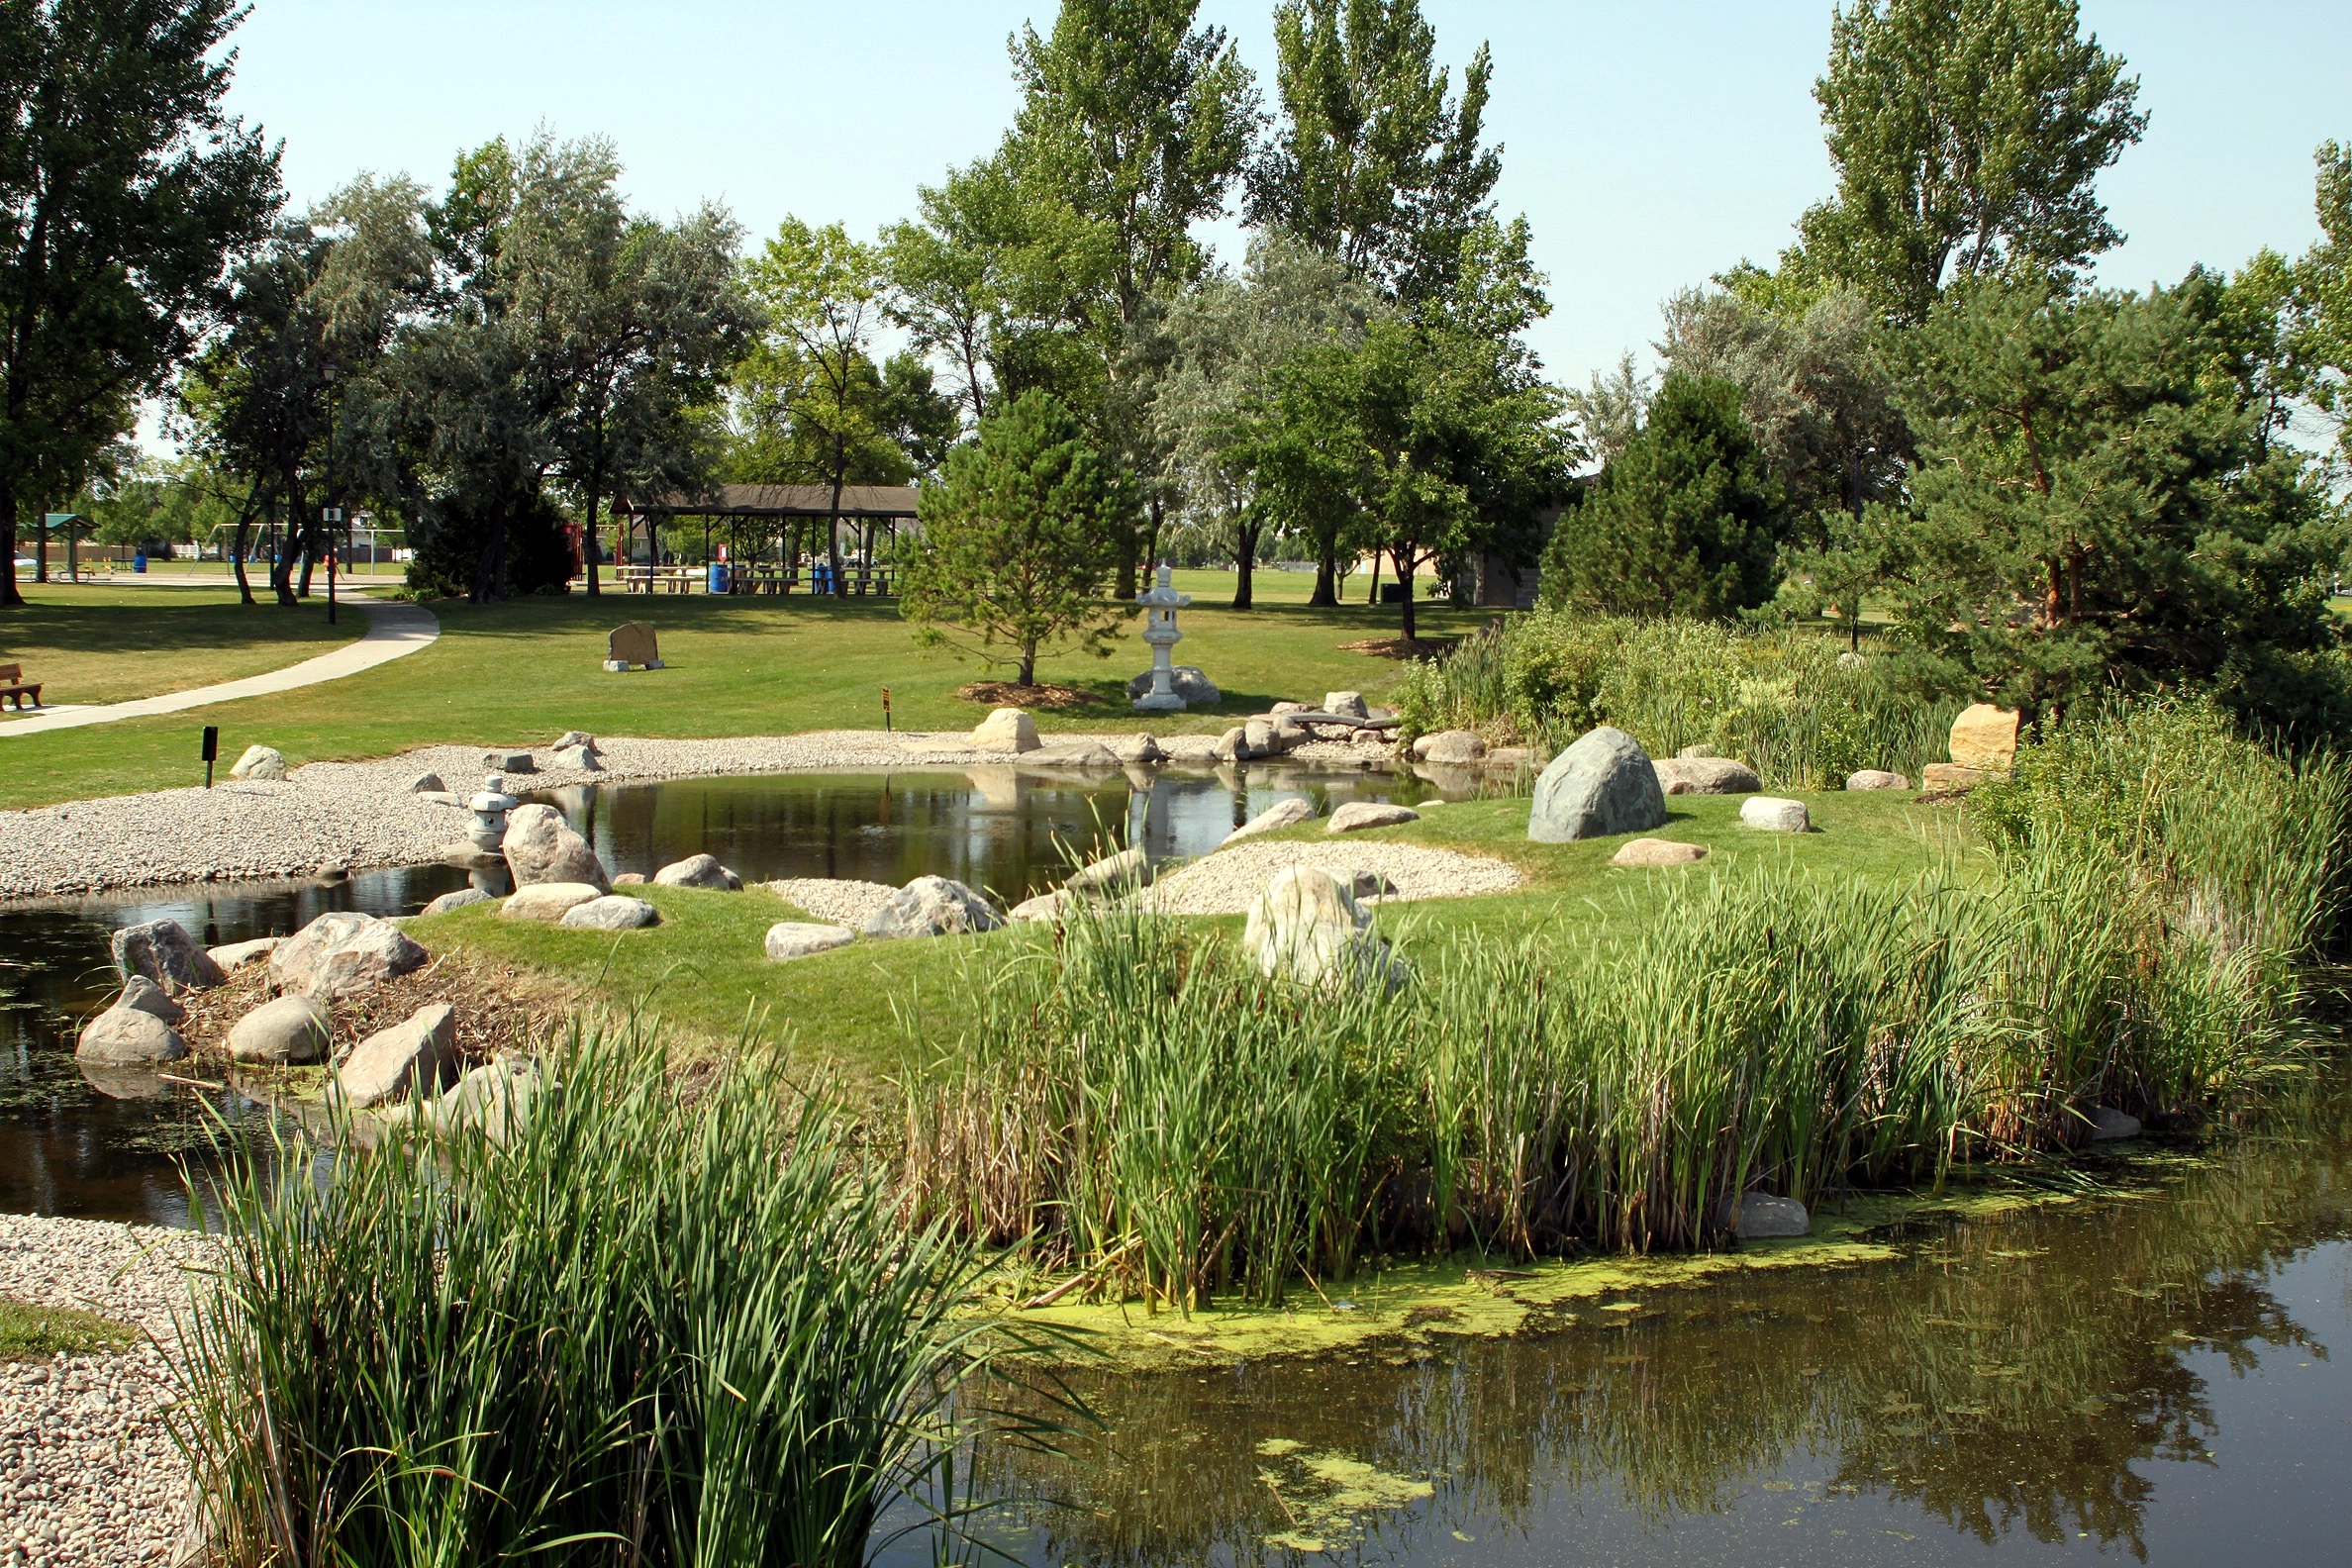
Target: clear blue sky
[(1650, 144)]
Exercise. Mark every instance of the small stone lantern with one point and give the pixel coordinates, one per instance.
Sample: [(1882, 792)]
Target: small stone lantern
[(1161, 603), (488, 832)]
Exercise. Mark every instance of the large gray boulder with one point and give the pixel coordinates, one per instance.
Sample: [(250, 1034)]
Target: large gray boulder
[(1602, 785), (1451, 748), (1306, 924), (1707, 776), (547, 901), (258, 762), (1136, 748), (144, 993), (790, 939), (235, 955), (1356, 815), (540, 846), (1006, 729), (1760, 1216), (932, 907), (342, 955), (613, 911), (165, 952), (412, 1056), (128, 1036), (1188, 682), (493, 1100), (1282, 814), (288, 1032), (1125, 869), (698, 871), (1771, 814), (1348, 703)]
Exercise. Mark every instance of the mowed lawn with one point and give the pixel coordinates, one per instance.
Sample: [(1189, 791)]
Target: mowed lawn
[(521, 673), (872, 1011), (91, 643)]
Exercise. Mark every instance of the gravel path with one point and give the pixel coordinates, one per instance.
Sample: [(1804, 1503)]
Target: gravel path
[(1223, 883), (840, 901), (337, 815), (88, 1474)]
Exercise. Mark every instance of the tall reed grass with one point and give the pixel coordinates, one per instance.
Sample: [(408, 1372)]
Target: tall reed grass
[(655, 1326), (1783, 700), (1140, 1103)]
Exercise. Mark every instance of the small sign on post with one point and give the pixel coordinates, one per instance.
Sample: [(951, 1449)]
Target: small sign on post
[(886, 710), (212, 750)]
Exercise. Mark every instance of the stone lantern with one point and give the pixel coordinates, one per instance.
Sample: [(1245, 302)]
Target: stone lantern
[(1161, 603), (488, 833)]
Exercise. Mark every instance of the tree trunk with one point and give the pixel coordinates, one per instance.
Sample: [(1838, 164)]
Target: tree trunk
[(237, 554), (1125, 587), (311, 530), (1029, 664), (1405, 585), (490, 566), (832, 527), (1372, 594), (1327, 576), (281, 564), (1152, 543), (588, 550), (1248, 536), (10, 598)]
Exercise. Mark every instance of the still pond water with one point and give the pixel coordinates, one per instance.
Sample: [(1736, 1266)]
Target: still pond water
[(2144, 1375), (68, 1147)]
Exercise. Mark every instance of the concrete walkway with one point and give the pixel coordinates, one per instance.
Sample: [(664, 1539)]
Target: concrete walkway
[(394, 630)]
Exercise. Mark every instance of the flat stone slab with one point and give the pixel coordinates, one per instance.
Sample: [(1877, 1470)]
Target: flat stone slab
[(1356, 815), (1658, 852), (547, 901), (790, 939)]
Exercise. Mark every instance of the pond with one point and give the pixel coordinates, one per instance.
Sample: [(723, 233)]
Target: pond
[(67, 1146), (2146, 1374)]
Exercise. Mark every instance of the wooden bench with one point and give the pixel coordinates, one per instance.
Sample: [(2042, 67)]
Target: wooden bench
[(13, 687)]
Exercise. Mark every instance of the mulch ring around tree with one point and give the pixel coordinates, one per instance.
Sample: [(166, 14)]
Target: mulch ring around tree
[(1007, 694), (1398, 647), (498, 1006)]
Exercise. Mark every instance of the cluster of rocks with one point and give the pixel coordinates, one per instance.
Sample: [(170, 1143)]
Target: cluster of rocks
[(336, 957), (1604, 785)]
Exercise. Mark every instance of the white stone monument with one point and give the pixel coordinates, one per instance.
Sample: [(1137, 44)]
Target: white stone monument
[(1161, 603)]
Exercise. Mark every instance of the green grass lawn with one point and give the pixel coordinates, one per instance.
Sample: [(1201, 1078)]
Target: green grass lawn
[(523, 672), (863, 1007), (28, 1332), (95, 644)]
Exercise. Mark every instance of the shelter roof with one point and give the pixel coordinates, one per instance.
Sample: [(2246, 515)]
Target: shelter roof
[(771, 501)]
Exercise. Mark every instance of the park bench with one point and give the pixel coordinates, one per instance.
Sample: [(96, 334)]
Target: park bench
[(13, 687)]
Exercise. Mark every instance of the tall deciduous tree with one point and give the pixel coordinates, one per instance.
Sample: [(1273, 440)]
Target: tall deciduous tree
[(1686, 522), (1966, 136), (1371, 160), (123, 190), (1814, 387), (1231, 337), (815, 405), (2094, 508), (1133, 124), (655, 324), (1018, 541)]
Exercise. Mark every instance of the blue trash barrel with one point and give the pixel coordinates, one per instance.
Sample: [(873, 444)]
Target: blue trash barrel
[(139, 562), (717, 577)]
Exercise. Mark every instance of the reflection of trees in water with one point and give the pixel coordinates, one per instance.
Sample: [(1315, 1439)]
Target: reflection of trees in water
[(2008, 1376)]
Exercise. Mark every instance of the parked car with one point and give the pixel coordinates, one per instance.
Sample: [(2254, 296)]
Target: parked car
[(27, 567)]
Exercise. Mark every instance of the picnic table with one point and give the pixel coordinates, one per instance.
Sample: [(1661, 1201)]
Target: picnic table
[(659, 579)]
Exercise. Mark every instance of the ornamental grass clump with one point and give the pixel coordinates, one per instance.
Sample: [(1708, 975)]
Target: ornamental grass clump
[(1139, 1104), (1792, 703), (658, 1324)]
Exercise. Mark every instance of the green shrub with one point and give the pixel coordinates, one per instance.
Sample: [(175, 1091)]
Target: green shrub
[(1791, 703)]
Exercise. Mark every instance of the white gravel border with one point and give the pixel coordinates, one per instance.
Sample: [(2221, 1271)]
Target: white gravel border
[(88, 1473), (1224, 883)]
